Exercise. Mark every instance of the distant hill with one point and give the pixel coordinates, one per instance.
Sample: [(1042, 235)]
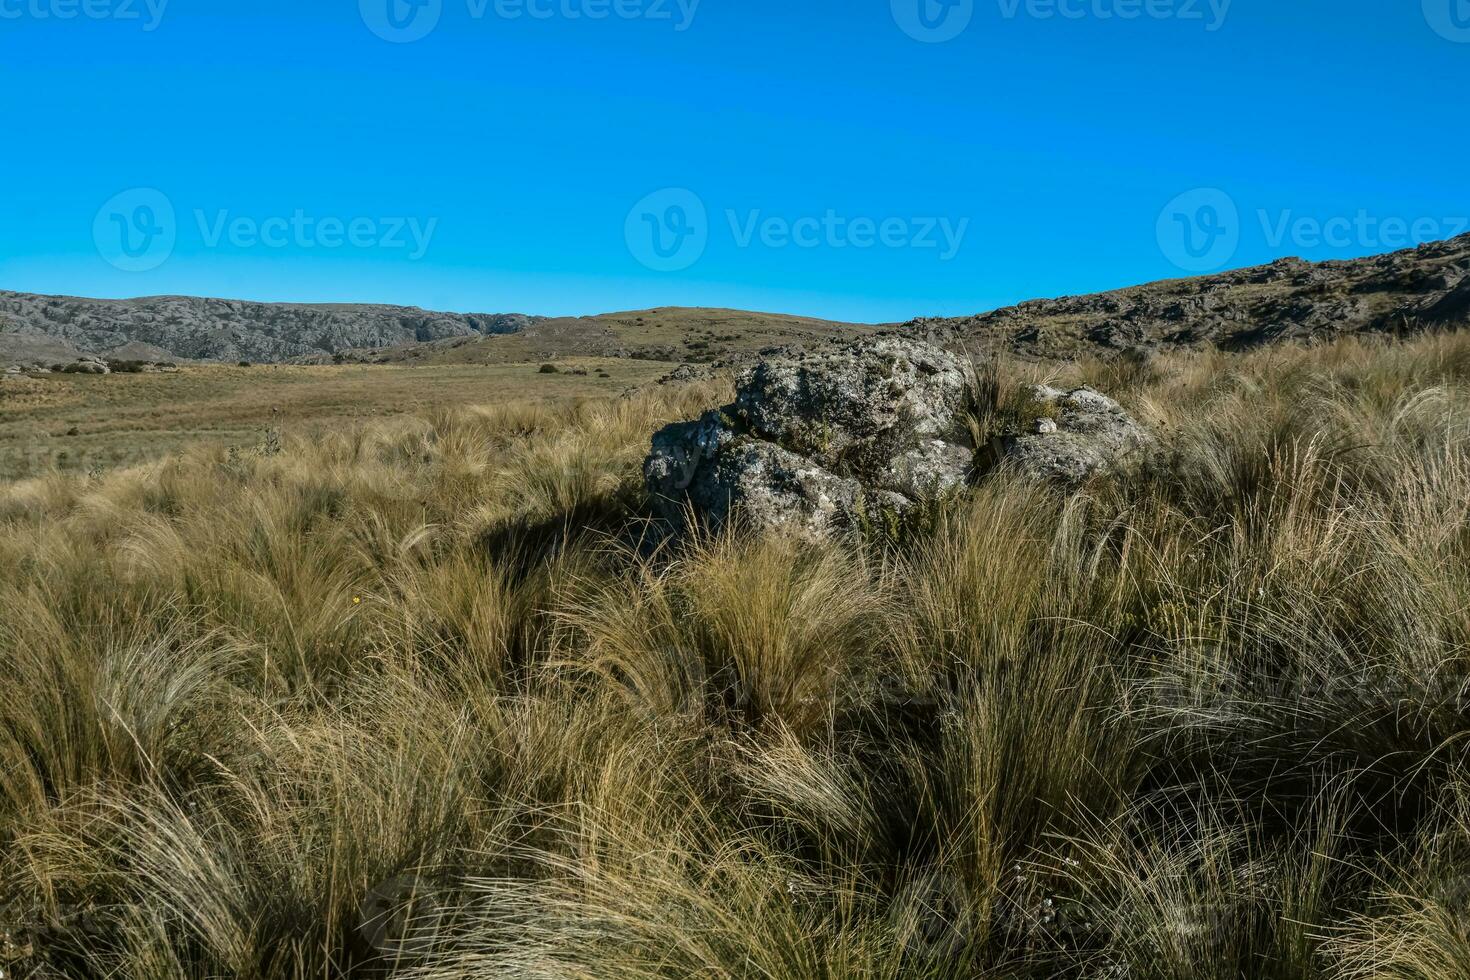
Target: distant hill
[(191, 328), (1290, 299), (677, 334)]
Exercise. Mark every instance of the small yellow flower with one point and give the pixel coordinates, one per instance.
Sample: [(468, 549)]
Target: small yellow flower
[(357, 600)]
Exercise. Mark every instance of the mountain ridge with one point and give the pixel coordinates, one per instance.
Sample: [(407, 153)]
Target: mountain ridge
[(206, 328), (1289, 299)]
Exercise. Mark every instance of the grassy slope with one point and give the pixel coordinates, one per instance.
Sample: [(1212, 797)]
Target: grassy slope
[(674, 333), (407, 697)]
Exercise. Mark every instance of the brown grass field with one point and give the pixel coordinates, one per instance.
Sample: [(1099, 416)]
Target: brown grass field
[(128, 418), (420, 695)]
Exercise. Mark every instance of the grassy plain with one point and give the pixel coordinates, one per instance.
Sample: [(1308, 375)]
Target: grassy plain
[(418, 696), (82, 422)]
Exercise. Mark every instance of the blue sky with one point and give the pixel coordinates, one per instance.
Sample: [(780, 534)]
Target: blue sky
[(868, 160)]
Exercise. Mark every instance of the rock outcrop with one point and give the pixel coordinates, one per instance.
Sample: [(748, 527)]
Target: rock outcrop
[(1077, 434), (855, 436), (816, 441)]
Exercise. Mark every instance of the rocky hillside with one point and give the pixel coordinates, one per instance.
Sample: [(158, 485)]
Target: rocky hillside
[(186, 327), (1290, 299)]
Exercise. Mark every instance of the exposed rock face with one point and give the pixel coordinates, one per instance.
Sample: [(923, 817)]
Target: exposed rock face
[(1085, 433), (229, 330), (821, 440)]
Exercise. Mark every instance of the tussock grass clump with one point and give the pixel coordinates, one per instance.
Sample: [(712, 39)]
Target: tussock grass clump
[(429, 697)]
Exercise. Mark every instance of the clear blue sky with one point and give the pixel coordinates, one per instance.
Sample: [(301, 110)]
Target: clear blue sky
[(1048, 137)]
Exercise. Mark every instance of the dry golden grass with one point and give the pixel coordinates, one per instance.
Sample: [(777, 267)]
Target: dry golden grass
[(423, 696), (78, 423)]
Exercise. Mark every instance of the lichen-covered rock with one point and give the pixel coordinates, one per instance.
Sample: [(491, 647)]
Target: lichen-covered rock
[(1087, 433), (705, 468), (774, 488), (855, 407), (847, 437), (931, 470)]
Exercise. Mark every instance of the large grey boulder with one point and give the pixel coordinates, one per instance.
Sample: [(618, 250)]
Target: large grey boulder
[(816, 441), (856, 406), (1078, 433)]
